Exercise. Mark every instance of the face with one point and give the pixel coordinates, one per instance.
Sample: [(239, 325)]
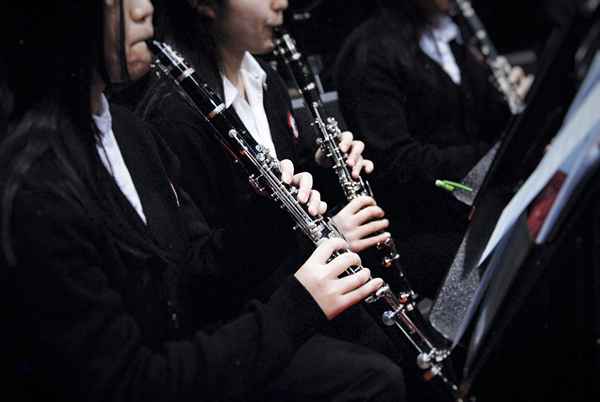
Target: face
[(137, 18), (443, 5), (434, 7), (247, 25)]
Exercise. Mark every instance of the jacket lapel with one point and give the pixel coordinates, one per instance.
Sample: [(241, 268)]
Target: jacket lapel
[(157, 194), (278, 115)]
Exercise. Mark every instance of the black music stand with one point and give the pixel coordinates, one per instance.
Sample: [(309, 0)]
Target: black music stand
[(520, 151), (550, 96)]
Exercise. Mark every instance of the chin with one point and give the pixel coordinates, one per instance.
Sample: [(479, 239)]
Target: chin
[(444, 6), (138, 70), (266, 48)]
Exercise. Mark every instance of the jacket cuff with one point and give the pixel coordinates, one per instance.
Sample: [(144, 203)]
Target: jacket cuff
[(298, 312)]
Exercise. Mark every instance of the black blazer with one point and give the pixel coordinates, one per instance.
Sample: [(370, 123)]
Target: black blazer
[(219, 187), (223, 193), (103, 307), (418, 126)]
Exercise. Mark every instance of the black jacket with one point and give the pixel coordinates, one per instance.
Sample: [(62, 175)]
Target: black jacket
[(418, 127), (105, 308), (222, 192), (219, 187)]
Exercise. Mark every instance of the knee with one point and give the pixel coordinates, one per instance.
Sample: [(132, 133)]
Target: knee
[(387, 381)]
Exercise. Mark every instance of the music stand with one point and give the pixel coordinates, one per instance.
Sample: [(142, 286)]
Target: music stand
[(521, 149)]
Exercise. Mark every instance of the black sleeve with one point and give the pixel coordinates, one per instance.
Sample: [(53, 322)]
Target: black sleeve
[(374, 97), (92, 345), (240, 226), (236, 257)]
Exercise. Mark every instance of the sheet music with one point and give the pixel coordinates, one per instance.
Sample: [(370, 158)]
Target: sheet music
[(578, 167), (572, 134)]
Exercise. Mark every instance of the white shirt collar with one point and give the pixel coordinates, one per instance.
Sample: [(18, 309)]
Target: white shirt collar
[(252, 73), (250, 108), (446, 30), (103, 118), (436, 44), (110, 154)]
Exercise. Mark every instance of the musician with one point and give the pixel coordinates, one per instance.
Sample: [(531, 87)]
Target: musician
[(422, 102), (103, 253), (217, 37)]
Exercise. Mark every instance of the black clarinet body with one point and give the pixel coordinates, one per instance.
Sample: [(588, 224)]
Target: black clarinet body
[(265, 176), (329, 133), (422, 336), (499, 67)]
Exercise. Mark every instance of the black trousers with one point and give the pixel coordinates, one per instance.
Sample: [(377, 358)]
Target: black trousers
[(332, 370)]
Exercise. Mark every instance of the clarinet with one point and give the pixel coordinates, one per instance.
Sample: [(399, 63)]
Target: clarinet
[(329, 134), (265, 176), (498, 65), (328, 138)]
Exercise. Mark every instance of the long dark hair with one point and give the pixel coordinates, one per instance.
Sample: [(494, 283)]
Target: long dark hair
[(6, 101), (193, 33), (51, 51)]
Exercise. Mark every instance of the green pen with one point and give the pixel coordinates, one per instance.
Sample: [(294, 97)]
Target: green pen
[(452, 185)]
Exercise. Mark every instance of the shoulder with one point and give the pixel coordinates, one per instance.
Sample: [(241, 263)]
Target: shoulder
[(130, 129), (167, 111), (161, 101), (47, 177), (46, 204), (379, 42), (380, 33), (143, 139)]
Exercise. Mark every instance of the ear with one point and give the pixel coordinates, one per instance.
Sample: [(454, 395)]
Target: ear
[(206, 8)]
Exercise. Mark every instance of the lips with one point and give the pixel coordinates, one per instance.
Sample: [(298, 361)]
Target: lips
[(144, 38), (139, 53), (272, 27)]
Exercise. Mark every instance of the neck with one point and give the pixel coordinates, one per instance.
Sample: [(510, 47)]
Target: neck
[(231, 64), (98, 87), (436, 20)]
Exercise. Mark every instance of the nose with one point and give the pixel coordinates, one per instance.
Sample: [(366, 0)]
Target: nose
[(142, 10), (280, 5)]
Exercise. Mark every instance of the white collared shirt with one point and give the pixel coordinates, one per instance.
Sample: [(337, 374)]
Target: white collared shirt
[(111, 157), (250, 108), (436, 44)]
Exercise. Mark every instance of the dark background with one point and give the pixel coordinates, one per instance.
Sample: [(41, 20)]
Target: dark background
[(548, 347), (513, 25)]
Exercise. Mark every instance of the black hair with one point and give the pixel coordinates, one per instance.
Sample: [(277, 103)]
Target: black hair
[(191, 32), (6, 101), (417, 16), (51, 51)]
